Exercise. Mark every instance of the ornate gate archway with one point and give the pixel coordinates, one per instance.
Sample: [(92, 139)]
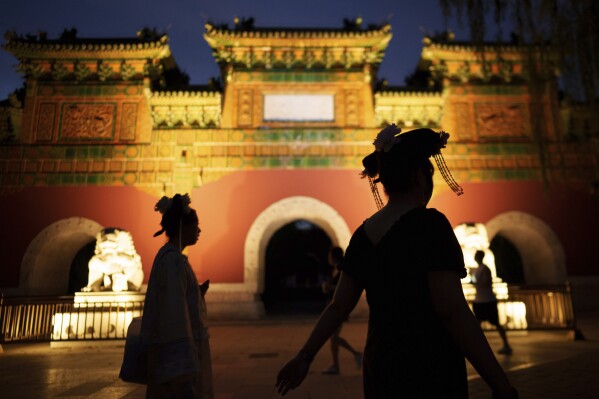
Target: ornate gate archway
[(276, 216), (542, 254), (46, 263)]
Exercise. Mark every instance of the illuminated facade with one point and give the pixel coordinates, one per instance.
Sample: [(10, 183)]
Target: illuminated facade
[(99, 135)]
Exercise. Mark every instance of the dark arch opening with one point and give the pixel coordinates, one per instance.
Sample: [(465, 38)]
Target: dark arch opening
[(507, 260), (79, 270), (296, 264)]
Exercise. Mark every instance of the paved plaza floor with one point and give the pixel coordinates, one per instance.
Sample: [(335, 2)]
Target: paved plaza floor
[(247, 356)]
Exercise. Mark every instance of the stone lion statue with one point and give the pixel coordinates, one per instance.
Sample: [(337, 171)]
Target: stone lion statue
[(115, 266)]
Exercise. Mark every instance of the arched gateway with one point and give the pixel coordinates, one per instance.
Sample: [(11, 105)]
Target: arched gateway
[(543, 257), (242, 301), (276, 216), (46, 263)]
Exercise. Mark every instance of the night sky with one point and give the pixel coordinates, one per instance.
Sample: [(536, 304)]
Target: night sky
[(183, 21)]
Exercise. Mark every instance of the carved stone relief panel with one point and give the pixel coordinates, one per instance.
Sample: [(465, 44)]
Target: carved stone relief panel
[(82, 121), (45, 122), (501, 120)]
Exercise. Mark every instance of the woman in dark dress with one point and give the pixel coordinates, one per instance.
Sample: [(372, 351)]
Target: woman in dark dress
[(407, 259)]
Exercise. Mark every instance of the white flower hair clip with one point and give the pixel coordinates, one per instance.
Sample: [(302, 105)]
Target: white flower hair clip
[(387, 138)]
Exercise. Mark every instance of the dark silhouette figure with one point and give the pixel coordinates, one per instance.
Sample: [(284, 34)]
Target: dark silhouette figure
[(485, 302), (408, 260), (335, 258), (174, 319)]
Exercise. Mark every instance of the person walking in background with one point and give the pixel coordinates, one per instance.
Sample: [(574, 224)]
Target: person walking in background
[(335, 258), (485, 301), (408, 260), (174, 318)]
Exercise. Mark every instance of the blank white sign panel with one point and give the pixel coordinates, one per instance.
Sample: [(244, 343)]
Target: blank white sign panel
[(299, 107)]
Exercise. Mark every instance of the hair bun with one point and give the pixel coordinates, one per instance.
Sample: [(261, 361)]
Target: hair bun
[(371, 165)]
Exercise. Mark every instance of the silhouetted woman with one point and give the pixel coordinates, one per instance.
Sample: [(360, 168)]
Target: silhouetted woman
[(174, 318), (408, 260)]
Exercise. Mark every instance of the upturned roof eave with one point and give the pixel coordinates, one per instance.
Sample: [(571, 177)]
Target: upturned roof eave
[(306, 37), (126, 49)]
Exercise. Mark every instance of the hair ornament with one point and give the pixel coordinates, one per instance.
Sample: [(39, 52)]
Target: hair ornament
[(443, 137), (417, 143), (181, 208), (165, 203), (387, 138), (375, 193), (185, 201)]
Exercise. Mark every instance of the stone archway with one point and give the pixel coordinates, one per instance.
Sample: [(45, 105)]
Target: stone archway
[(276, 216), (46, 263), (543, 257)]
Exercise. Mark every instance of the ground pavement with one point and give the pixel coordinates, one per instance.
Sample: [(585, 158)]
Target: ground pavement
[(247, 356)]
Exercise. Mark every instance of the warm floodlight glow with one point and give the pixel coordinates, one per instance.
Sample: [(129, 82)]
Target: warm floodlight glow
[(473, 237), (98, 315), (91, 325), (299, 107)]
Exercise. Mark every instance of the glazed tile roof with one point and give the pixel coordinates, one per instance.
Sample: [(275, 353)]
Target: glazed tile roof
[(87, 48)]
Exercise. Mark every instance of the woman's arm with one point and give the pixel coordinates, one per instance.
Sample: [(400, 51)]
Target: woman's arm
[(451, 306), (346, 297)]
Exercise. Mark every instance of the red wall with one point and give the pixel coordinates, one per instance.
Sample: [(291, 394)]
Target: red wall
[(26, 213), (572, 214), (228, 207)]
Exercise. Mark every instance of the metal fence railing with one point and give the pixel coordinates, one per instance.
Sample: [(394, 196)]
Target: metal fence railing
[(30, 318), (24, 319), (547, 307)]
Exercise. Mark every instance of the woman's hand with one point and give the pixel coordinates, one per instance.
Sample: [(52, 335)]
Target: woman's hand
[(292, 374)]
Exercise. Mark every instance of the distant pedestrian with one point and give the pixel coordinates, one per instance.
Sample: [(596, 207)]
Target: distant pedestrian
[(335, 258), (485, 301)]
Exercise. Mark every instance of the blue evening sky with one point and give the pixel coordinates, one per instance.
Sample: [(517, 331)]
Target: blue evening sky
[(183, 21)]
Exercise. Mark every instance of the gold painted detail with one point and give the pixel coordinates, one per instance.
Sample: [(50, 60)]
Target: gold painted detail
[(84, 59), (463, 114), (309, 49), (408, 109), (463, 63), (26, 49), (186, 109), (128, 121), (84, 69)]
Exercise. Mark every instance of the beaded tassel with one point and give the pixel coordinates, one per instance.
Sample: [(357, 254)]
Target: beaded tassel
[(375, 193), (447, 176)]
